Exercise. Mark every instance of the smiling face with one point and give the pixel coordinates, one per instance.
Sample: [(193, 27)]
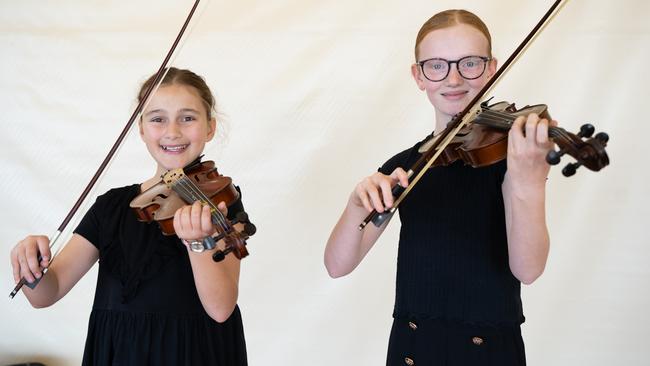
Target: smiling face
[(175, 126), (452, 94)]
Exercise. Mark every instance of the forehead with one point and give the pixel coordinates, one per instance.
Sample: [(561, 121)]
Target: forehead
[(174, 97), (453, 43)]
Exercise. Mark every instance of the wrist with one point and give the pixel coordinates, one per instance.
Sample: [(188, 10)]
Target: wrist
[(199, 245)]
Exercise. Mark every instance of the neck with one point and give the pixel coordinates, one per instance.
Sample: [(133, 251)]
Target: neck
[(441, 121)]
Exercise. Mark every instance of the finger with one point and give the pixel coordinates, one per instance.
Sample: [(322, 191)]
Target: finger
[(375, 199), (24, 268), (184, 224), (31, 254), (206, 221), (386, 192), (44, 250), (516, 134), (401, 176), (223, 208), (531, 127), (196, 213), (177, 221), (517, 129), (542, 132), (363, 197)]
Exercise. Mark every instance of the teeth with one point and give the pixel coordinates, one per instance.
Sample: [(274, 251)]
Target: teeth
[(174, 148)]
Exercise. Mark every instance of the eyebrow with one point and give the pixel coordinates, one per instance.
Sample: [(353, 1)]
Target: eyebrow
[(183, 110)]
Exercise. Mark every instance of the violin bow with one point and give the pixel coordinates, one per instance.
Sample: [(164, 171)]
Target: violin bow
[(462, 119), (160, 74)]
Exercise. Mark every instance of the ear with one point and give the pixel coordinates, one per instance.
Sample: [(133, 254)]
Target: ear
[(212, 129), (140, 128), (491, 68), (417, 76)]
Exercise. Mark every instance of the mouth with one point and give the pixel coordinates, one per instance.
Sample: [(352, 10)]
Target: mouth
[(175, 149), (453, 95)]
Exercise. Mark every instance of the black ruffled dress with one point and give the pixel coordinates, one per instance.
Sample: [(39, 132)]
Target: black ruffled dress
[(146, 309)]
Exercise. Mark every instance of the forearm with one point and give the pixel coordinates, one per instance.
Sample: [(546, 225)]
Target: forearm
[(347, 245), (216, 283), (45, 293), (528, 239)]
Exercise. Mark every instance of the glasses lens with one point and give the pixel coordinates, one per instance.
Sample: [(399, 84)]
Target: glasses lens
[(471, 67), (435, 70)]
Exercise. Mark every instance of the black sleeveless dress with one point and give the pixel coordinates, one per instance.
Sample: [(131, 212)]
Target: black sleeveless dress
[(146, 309), (457, 302)]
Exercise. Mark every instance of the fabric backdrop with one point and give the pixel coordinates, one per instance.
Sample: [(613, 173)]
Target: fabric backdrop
[(313, 96)]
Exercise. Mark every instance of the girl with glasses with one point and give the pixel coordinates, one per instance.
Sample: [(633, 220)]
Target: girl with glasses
[(469, 236), (156, 301)]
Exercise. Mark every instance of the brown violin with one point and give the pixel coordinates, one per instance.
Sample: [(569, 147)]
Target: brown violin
[(485, 141), (199, 181), (482, 139)]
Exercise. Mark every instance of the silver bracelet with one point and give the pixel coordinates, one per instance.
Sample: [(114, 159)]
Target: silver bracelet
[(194, 245), (198, 246)]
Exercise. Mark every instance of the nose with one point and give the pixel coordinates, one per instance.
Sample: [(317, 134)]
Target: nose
[(454, 77), (173, 130)]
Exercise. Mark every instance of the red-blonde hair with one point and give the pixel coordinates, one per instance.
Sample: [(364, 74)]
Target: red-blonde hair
[(449, 18)]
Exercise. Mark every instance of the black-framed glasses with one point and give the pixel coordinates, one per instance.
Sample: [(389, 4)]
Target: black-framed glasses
[(469, 67)]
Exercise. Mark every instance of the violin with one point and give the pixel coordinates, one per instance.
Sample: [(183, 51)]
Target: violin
[(199, 181), (485, 140)]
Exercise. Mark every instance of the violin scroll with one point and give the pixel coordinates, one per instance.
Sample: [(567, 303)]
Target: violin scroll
[(587, 150)]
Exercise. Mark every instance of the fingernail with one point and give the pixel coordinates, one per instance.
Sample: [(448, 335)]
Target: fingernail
[(38, 274)]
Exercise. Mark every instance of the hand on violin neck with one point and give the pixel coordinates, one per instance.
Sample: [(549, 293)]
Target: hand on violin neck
[(528, 144), (194, 222), (375, 191)]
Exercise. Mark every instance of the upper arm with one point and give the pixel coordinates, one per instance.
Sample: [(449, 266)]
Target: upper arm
[(72, 263)]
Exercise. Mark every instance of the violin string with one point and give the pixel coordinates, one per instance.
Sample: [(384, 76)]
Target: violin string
[(192, 193), (198, 195), (505, 120), (195, 194)]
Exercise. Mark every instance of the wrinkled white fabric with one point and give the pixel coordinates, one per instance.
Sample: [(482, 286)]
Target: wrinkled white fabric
[(316, 95)]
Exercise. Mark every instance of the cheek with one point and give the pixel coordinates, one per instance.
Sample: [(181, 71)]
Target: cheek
[(432, 89), (477, 84)]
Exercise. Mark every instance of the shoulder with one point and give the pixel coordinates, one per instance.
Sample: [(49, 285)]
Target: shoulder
[(117, 196), (403, 159)]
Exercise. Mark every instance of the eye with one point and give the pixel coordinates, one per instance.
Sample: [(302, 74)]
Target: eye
[(188, 118), (438, 66), (156, 119), (472, 62)]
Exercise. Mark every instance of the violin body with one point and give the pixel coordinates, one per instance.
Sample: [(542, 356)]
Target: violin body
[(160, 202), (481, 143)]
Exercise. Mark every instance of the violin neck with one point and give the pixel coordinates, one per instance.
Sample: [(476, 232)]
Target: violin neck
[(503, 121)]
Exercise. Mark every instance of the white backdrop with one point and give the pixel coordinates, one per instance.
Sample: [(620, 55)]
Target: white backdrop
[(316, 95)]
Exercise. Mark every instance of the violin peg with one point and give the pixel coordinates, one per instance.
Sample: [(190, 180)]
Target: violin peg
[(250, 229), (218, 256), (240, 217), (553, 157), (210, 242), (586, 130), (570, 169), (602, 137)]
